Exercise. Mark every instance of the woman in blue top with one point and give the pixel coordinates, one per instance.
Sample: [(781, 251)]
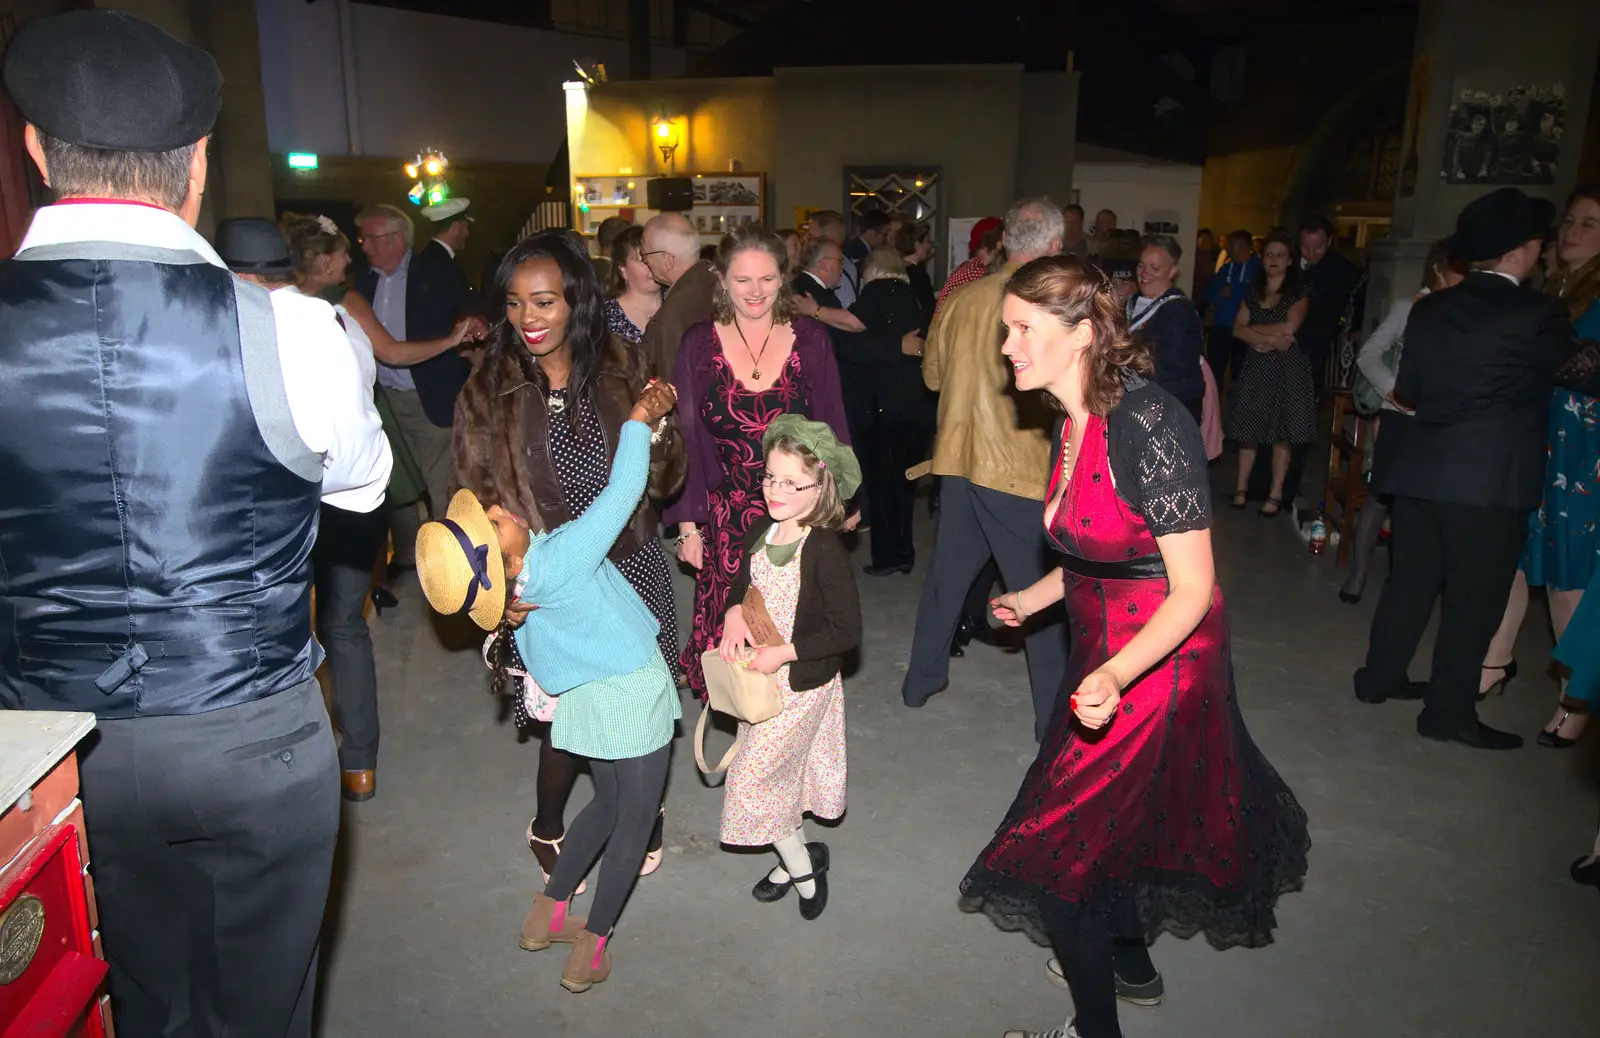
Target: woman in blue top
[(1563, 549), (618, 701)]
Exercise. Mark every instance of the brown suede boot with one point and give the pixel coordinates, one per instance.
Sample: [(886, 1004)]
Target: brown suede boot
[(588, 964), (538, 932)]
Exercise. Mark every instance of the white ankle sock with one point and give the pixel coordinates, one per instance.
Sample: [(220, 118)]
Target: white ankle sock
[(796, 861)]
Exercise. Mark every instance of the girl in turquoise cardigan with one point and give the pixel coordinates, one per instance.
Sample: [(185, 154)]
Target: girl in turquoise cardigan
[(618, 702)]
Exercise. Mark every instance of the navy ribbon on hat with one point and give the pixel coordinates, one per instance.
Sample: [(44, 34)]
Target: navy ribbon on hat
[(477, 558)]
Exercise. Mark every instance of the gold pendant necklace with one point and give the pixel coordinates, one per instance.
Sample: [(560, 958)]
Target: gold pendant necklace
[(755, 358)]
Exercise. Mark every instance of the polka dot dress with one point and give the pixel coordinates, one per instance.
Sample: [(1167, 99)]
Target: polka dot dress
[(583, 470), (1274, 396)]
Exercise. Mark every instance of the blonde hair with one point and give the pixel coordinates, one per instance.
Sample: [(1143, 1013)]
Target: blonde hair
[(828, 512), (309, 237), (884, 263)]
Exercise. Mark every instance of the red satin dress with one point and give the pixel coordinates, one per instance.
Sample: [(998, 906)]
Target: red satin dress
[(1170, 806)]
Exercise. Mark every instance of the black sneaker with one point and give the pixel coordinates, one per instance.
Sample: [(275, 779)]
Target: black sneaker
[(1149, 994)]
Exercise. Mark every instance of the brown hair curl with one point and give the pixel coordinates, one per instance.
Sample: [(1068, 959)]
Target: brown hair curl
[(1070, 290)]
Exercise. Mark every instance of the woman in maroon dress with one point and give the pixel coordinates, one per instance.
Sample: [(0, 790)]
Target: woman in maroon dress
[(1148, 808), (754, 360)]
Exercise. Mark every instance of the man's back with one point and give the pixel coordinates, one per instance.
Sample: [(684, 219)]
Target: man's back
[(177, 455), (989, 433), (1479, 363)]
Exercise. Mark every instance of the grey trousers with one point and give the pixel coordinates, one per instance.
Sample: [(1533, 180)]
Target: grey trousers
[(975, 522), (341, 562), (431, 448), (212, 838)]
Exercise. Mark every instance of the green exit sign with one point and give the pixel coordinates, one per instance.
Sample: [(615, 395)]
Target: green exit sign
[(302, 160)]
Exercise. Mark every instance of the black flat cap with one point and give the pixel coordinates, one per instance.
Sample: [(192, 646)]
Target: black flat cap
[(105, 79), (1118, 268), (253, 246), (1491, 226)]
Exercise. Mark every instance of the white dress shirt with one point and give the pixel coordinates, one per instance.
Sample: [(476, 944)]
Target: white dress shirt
[(331, 406), (389, 304)]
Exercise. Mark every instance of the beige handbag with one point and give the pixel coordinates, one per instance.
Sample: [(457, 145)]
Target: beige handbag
[(735, 690)]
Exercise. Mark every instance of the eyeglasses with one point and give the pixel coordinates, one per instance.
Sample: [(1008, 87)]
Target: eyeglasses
[(365, 238), (783, 486), (644, 257)]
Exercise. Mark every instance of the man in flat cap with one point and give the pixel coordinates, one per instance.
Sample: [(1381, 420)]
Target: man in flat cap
[(1479, 363), (166, 433)]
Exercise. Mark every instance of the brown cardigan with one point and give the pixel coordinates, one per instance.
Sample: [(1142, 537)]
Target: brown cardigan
[(827, 619), (502, 444)]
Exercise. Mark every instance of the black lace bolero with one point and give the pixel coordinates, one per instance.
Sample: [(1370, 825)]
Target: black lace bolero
[(1158, 459)]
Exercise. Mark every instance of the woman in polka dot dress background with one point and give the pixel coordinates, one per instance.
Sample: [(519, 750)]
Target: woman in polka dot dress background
[(1274, 396), (536, 428)]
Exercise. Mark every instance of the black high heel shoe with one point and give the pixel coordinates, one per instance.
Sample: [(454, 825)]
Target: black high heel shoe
[(1587, 874), (1499, 687), (383, 598), (1553, 738), (1347, 598)]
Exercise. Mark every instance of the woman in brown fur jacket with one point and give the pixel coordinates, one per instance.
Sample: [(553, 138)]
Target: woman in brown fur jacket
[(536, 428)]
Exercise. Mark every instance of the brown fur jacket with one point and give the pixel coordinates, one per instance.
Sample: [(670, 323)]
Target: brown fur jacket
[(502, 435)]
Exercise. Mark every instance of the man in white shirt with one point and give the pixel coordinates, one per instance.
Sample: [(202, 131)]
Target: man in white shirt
[(416, 296), (166, 434)]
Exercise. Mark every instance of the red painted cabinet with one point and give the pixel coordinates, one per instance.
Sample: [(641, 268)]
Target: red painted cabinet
[(52, 975)]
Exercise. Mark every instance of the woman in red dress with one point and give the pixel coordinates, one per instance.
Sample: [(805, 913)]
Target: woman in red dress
[(1148, 808)]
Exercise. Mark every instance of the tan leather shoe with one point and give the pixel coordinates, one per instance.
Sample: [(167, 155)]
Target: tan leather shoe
[(359, 785), (537, 933), (588, 964)]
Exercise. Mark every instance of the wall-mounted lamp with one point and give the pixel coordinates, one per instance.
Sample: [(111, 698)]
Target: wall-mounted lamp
[(665, 137)]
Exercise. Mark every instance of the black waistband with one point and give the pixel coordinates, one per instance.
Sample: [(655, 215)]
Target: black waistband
[(1144, 567)]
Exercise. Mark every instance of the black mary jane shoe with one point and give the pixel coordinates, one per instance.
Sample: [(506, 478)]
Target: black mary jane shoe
[(1347, 598), (1273, 503), (811, 907), (768, 890), (1586, 870)]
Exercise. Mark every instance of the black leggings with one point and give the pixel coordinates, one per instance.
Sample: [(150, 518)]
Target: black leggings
[(627, 799), (558, 773), (1093, 955)]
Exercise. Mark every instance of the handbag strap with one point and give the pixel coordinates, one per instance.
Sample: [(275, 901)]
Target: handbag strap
[(700, 745)]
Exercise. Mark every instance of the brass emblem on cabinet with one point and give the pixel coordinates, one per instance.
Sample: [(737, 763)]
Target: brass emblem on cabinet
[(21, 930)]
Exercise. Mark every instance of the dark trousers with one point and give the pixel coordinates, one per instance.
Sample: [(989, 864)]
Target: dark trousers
[(212, 840), (886, 450), (1223, 352), (1467, 558), (974, 523), (347, 542)]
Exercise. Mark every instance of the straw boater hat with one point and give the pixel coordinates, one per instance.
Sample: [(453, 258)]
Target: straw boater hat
[(459, 563)]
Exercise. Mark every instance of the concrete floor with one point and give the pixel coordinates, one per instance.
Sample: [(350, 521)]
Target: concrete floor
[(1437, 905)]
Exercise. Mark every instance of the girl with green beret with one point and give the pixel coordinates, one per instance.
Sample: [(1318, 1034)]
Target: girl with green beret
[(794, 763)]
